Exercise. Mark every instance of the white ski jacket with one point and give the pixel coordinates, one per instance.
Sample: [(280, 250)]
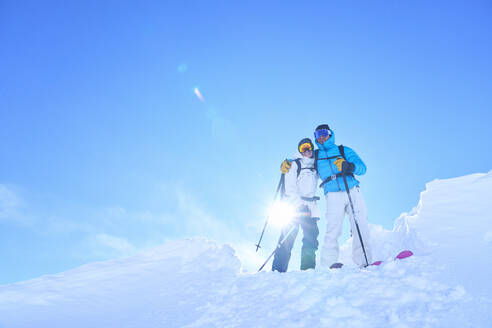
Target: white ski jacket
[(303, 185)]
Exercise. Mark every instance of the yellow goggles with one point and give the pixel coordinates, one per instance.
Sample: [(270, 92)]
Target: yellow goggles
[(305, 146)]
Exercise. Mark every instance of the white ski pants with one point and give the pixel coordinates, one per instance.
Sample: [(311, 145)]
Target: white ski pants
[(337, 205)]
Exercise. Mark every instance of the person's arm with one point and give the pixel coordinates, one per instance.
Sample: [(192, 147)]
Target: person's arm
[(352, 157), (291, 194)]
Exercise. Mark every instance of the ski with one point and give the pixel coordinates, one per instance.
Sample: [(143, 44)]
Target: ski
[(402, 255)]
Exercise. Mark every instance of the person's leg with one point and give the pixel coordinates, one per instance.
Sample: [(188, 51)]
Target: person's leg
[(335, 213), (361, 216), (310, 234), (282, 254)]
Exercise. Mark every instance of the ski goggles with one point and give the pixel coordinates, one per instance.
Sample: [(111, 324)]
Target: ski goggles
[(305, 146), (322, 133)]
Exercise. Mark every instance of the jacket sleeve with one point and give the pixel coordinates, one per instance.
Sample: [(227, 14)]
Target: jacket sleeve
[(351, 156), (291, 194)]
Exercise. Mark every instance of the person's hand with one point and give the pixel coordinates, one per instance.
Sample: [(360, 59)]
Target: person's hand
[(338, 163), (344, 166), (285, 167), (347, 168)]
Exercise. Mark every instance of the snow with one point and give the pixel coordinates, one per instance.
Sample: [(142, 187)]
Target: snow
[(199, 283)]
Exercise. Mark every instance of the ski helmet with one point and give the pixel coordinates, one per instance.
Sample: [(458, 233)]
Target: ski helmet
[(322, 130), (305, 144)]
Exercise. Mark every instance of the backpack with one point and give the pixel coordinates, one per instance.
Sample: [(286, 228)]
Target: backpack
[(341, 149), (316, 155), (333, 177), (299, 168)]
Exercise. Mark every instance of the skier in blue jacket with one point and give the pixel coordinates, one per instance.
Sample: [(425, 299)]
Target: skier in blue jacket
[(331, 163)]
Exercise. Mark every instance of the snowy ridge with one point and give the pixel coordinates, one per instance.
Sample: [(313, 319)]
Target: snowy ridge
[(198, 283), (153, 289), (451, 224)]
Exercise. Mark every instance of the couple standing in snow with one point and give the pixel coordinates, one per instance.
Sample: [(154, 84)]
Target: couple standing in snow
[(335, 166)]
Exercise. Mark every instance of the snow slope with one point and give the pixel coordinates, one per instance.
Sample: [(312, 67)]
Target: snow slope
[(164, 287), (197, 283), (454, 222), (452, 226)]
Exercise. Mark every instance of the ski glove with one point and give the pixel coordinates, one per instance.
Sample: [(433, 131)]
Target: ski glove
[(285, 167), (347, 168), (344, 166), (339, 163)]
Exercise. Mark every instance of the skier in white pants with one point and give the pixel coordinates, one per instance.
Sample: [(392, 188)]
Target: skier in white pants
[(337, 205), (333, 163)]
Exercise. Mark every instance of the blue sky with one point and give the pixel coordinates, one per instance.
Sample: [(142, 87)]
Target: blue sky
[(106, 150)]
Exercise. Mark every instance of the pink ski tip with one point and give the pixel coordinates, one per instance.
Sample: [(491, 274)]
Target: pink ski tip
[(377, 263), (404, 255)]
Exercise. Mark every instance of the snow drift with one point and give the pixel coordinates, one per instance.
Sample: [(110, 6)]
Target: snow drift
[(164, 287), (451, 227), (197, 283)]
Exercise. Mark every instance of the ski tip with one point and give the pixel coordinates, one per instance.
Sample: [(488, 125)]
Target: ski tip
[(404, 254), (377, 263)]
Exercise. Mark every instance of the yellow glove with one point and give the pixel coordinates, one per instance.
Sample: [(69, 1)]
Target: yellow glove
[(339, 163), (285, 167)]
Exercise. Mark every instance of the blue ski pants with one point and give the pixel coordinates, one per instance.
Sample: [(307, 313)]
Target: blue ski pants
[(310, 244)]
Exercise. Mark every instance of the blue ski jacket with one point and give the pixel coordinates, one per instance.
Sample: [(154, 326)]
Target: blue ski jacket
[(327, 168)]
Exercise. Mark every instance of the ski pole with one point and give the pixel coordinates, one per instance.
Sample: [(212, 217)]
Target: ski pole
[(355, 220), (280, 243), (280, 184)]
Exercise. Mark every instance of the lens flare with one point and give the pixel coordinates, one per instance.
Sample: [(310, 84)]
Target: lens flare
[(281, 213), (182, 68), (199, 95)]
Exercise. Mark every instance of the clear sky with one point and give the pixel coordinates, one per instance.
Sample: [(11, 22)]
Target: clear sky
[(105, 148)]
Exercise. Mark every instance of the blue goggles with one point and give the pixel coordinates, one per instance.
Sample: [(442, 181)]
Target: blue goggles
[(322, 133)]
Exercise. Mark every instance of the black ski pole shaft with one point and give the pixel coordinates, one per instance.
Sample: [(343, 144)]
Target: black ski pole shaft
[(278, 246), (280, 183), (355, 220)]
